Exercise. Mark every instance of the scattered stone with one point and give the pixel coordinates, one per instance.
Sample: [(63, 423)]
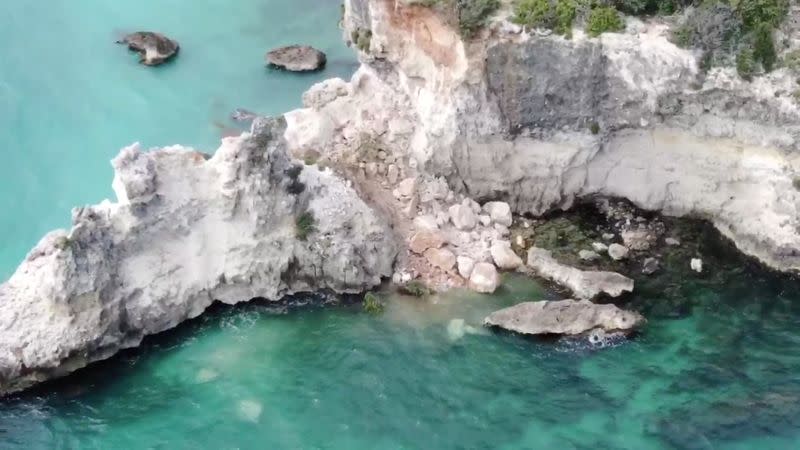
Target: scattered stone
[(371, 169), (426, 222), (672, 242), (599, 247), (407, 187), (520, 241), (500, 212), (465, 266), (526, 224), (472, 204), (697, 265), (584, 284), (153, 48), (484, 278), (588, 255), (608, 236), (651, 266), (617, 252), (297, 58), (503, 256), (485, 220), (424, 240), (638, 240), (441, 258), (567, 317), (463, 217)]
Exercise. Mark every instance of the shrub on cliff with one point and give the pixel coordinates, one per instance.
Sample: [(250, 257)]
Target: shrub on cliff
[(472, 14), (305, 224), (764, 47), (755, 12), (557, 16), (535, 14), (603, 19), (714, 29), (745, 63)]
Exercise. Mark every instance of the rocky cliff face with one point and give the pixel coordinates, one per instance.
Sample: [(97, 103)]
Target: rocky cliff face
[(186, 230), (540, 121)]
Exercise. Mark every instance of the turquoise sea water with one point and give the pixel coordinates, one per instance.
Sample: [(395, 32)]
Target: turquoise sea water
[(716, 367)]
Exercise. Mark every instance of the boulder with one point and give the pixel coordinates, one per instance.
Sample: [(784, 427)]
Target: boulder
[(500, 212), (424, 240), (484, 278), (584, 284), (297, 58), (617, 252), (463, 217), (565, 317), (697, 265), (153, 48), (441, 258), (599, 247), (503, 256), (672, 242), (588, 255), (465, 266)]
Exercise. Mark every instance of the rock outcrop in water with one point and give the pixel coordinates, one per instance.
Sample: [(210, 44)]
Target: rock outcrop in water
[(541, 121), (187, 230), (584, 284), (567, 317), (297, 58), (154, 48)]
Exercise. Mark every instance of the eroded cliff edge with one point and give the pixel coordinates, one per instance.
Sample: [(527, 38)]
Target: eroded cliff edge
[(540, 121), (186, 230)]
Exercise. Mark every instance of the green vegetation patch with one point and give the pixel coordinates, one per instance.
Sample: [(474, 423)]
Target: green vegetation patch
[(415, 289), (473, 14), (305, 225), (372, 304), (602, 20)]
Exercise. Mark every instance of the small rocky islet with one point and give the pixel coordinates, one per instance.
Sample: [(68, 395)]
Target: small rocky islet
[(456, 191)]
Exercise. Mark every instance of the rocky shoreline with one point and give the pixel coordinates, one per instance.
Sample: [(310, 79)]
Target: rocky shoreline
[(441, 162)]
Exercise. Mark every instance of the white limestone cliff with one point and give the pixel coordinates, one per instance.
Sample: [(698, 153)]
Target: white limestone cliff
[(187, 230), (541, 121)]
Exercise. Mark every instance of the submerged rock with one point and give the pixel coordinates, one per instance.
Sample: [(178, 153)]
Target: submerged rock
[(617, 252), (583, 284), (186, 231), (244, 116), (154, 48), (297, 58), (567, 317), (651, 266)]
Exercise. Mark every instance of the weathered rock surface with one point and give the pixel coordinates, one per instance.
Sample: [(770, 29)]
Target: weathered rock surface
[(510, 117), (425, 239), (154, 48), (297, 58), (583, 284), (186, 231), (441, 258), (567, 317)]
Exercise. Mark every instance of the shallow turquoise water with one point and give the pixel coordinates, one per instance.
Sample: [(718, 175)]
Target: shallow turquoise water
[(715, 368), (70, 98)]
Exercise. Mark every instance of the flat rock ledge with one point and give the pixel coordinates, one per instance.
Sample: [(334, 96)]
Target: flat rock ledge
[(584, 284), (297, 58), (564, 317), (186, 231), (154, 48)]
